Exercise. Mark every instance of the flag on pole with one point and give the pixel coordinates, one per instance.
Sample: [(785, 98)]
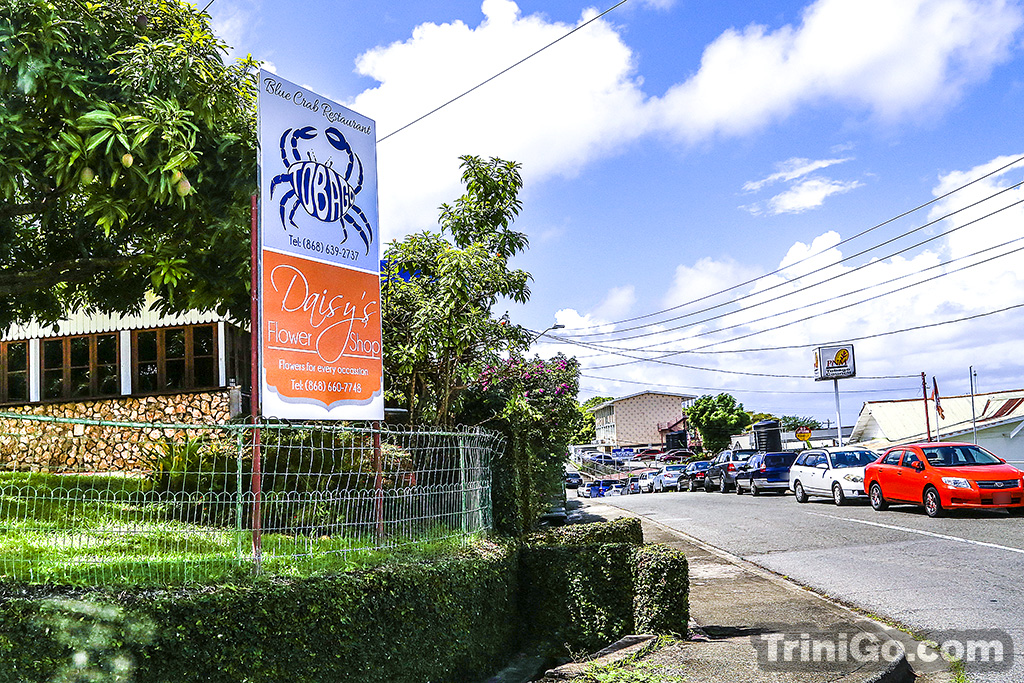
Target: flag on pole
[(935, 397)]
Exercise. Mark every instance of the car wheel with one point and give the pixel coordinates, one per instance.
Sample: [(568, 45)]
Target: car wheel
[(690, 486), (739, 489), (837, 494), (801, 495), (708, 486), (754, 491), (932, 502), (723, 488), (878, 501)]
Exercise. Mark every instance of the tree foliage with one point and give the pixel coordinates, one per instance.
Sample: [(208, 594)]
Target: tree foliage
[(533, 402), (129, 159), (439, 330), (717, 418), (787, 423), (587, 432)]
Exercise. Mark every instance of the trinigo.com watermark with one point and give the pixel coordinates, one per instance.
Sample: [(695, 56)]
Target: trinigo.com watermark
[(790, 648)]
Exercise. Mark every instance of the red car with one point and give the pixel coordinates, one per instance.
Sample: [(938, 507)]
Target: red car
[(942, 476)]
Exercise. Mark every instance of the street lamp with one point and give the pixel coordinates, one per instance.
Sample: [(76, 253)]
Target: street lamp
[(556, 326)]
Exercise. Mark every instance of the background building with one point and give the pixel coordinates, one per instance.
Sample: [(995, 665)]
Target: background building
[(638, 420), (996, 416)]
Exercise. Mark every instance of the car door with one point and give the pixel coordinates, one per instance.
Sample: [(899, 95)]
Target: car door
[(910, 478), (816, 471), (888, 474)]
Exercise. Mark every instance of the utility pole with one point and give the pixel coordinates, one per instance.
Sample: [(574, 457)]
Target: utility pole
[(924, 393), (974, 421)]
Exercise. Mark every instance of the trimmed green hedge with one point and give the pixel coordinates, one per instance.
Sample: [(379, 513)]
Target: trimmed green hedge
[(625, 530), (439, 621), (661, 586), (452, 620)]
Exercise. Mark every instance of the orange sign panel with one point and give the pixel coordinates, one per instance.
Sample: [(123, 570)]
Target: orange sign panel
[(321, 333)]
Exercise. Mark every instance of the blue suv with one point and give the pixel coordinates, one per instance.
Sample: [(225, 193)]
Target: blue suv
[(765, 472)]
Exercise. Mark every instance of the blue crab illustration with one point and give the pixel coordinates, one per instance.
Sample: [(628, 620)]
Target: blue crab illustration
[(325, 194)]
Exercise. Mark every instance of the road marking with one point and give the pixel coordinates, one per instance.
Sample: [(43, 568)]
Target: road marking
[(922, 533)]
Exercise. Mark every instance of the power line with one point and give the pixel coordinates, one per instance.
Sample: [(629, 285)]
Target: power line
[(815, 272), (846, 340), (819, 253), (500, 73), (599, 345), (749, 391)]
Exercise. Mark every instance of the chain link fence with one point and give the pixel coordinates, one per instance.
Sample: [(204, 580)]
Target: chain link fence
[(98, 503)]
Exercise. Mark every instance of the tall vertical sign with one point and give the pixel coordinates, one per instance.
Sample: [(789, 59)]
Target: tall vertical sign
[(319, 327)]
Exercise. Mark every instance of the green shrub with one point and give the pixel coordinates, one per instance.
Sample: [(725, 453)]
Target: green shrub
[(625, 530), (447, 620), (661, 586), (577, 597), (442, 621)]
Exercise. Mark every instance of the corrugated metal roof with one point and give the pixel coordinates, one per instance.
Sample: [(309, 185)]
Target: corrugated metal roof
[(90, 323), (903, 421)]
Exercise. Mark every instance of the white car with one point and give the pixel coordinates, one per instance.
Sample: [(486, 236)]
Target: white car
[(647, 481), (668, 478), (836, 473)]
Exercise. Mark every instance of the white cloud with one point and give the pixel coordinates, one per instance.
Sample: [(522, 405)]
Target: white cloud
[(791, 169), (705, 278), (853, 300), (617, 303), (233, 21), (890, 59), (808, 194), (554, 113)]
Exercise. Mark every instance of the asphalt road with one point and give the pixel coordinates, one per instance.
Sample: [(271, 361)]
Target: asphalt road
[(962, 571)]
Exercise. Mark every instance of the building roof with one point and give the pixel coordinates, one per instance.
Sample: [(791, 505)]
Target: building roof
[(84, 322), (885, 423), (639, 393)]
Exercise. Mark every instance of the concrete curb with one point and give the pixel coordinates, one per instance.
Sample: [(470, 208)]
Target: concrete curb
[(898, 670)]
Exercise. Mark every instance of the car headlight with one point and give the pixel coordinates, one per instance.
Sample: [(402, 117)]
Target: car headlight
[(853, 477), (956, 482)]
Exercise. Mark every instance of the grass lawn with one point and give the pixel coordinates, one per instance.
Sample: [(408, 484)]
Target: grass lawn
[(91, 530)]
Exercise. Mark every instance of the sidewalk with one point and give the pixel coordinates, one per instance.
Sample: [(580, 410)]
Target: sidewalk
[(746, 619)]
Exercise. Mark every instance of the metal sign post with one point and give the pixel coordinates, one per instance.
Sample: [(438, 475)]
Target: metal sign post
[(839, 417), (835, 363)]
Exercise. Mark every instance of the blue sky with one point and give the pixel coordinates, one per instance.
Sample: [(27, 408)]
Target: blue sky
[(675, 149)]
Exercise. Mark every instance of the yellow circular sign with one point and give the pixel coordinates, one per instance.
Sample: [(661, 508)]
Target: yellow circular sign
[(803, 433), (842, 356)]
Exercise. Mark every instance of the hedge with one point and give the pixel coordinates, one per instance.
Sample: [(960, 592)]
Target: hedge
[(439, 621), (661, 588), (452, 620)]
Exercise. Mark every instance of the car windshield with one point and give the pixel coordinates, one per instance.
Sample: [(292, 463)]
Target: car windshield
[(675, 468), (700, 465), (959, 456), (782, 460), (842, 459)]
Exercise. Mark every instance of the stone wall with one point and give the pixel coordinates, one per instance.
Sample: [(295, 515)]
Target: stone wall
[(37, 446)]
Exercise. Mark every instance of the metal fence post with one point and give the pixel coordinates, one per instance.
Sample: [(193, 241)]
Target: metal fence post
[(378, 481)]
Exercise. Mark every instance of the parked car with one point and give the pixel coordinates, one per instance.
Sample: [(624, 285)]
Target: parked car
[(599, 488), (668, 478), (631, 485), (647, 481), (765, 472), (605, 459), (942, 476), (692, 477), (676, 455), (721, 474), (836, 472), (573, 480), (647, 454)]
